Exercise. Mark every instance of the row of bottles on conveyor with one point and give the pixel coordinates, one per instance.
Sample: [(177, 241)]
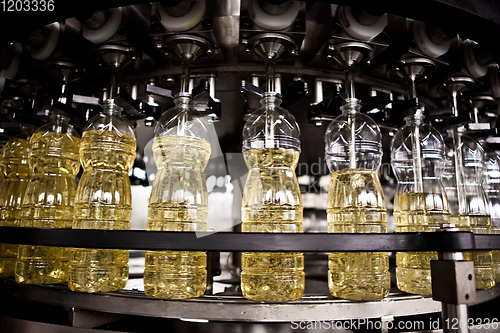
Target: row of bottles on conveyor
[(438, 183), (40, 191)]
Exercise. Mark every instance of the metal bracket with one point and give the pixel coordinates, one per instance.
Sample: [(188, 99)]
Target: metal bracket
[(453, 282), (204, 102)]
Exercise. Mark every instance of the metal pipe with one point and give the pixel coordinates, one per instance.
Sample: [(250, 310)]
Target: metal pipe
[(151, 100), (412, 87), (134, 90), (349, 84), (211, 82), (277, 83), (318, 85), (185, 76), (270, 77), (454, 97), (455, 316), (255, 80), (113, 85)]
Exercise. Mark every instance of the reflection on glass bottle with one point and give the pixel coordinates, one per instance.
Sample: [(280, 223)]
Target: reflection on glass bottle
[(469, 209), (420, 203), (17, 174), (179, 201), (272, 202), (492, 187), (48, 201), (356, 203), (103, 200)]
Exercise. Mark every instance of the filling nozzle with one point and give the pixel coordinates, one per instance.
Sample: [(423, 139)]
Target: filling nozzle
[(185, 76), (270, 76), (270, 92), (416, 150), (184, 96), (350, 98)]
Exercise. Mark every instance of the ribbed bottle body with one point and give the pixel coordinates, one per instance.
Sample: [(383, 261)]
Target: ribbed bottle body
[(178, 202), (48, 203), (418, 212), (272, 203), (103, 201), (16, 176), (463, 178), (356, 205), (420, 202)]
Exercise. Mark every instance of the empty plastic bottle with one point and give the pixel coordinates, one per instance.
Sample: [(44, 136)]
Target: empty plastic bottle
[(103, 200), (49, 198), (356, 203), (272, 202), (463, 179), (420, 203), (179, 201)]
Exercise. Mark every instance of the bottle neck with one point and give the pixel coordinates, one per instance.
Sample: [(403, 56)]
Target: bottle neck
[(416, 119), (270, 100), (184, 101), (352, 106), (111, 109)]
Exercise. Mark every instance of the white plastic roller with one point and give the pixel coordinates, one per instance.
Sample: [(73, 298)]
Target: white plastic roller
[(108, 29), (11, 70), (357, 29), (184, 22), (273, 22), (49, 45), (424, 42), (475, 69)]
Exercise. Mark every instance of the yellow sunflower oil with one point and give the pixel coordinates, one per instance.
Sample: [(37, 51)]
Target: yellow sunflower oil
[(48, 201), (179, 202), (103, 201), (17, 174), (418, 212), (356, 205), (483, 260), (272, 203)]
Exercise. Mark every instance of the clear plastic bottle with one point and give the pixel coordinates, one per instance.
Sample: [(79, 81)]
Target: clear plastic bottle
[(103, 200), (272, 202), (492, 187), (356, 203), (420, 203), (463, 179), (48, 201), (179, 201), (17, 174)]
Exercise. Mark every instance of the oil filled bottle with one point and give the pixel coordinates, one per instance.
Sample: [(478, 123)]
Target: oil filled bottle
[(463, 179), (179, 200), (17, 174), (420, 203), (492, 187), (103, 200), (272, 202), (356, 203), (49, 198)]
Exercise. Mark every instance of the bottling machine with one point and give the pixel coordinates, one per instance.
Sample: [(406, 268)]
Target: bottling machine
[(438, 56)]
